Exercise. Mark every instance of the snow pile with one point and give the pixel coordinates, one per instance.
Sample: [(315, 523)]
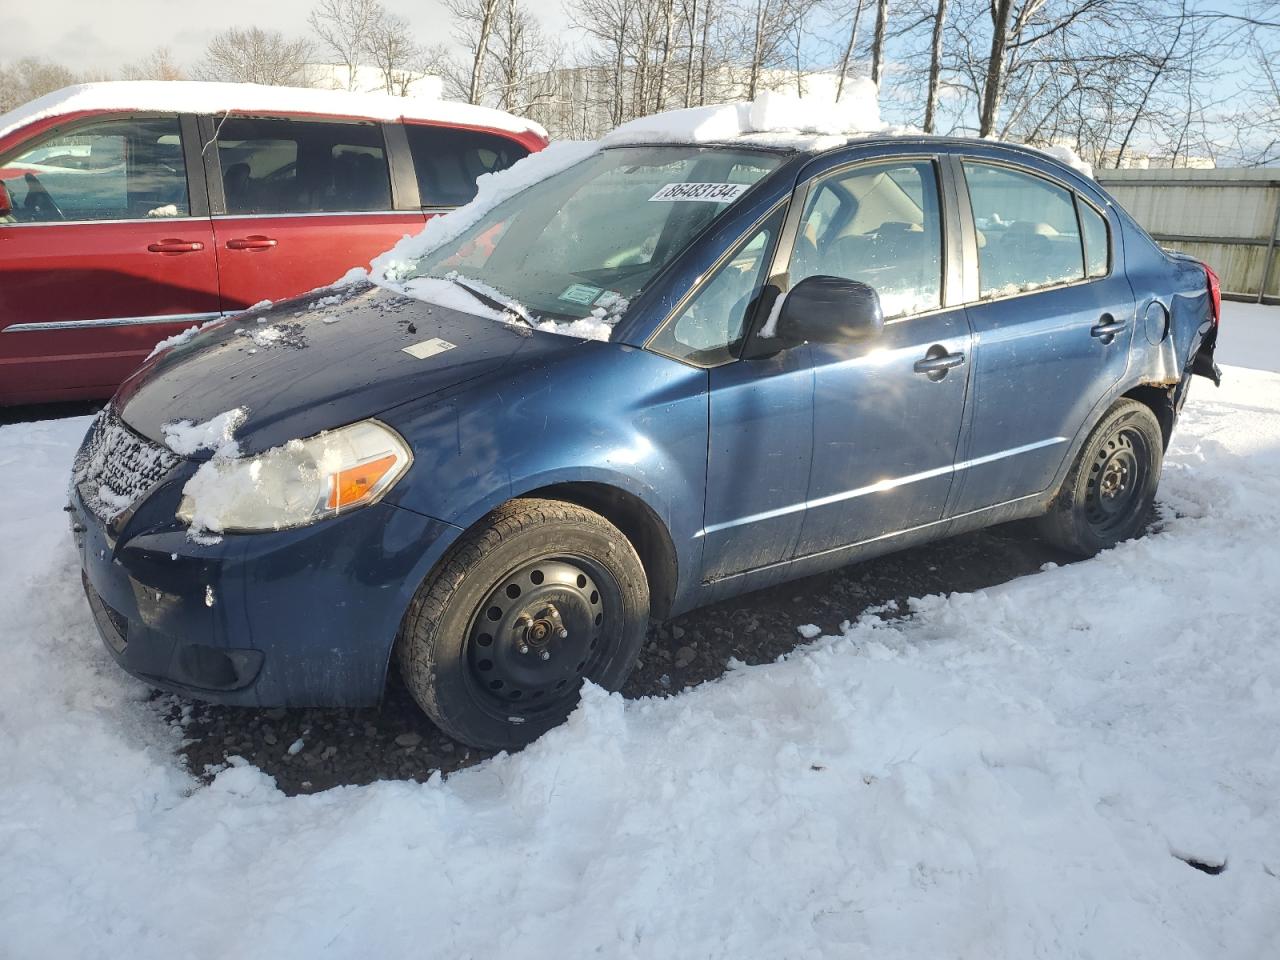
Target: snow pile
[(212, 486), (773, 119), (193, 96), (1006, 774), (1065, 154)]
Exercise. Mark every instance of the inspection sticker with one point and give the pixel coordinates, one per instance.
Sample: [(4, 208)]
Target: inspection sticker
[(428, 348), (704, 192), (582, 293)]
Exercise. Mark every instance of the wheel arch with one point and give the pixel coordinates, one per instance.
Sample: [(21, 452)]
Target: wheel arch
[(639, 523), (1160, 400)]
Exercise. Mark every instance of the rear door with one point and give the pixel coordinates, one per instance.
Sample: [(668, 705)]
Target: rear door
[(1052, 321), (109, 250), (298, 203)]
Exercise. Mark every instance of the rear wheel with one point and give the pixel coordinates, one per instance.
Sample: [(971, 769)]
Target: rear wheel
[(540, 595), (1108, 495)]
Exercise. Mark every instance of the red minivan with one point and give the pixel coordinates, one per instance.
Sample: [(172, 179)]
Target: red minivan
[(130, 211)]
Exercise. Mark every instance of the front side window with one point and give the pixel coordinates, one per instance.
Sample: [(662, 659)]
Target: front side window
[(880, 224), (109, 170), (586, 240), (709, 328), (1028, 235), (448, 161), (302, 166)]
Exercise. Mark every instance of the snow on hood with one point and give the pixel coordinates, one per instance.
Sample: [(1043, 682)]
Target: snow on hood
[(193, 96)]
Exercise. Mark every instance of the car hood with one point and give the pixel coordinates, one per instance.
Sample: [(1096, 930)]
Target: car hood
[(317, 362)]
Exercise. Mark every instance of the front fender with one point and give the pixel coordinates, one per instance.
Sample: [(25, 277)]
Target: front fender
[(605, 414)]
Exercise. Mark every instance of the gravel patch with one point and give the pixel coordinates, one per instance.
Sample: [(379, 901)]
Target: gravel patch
[(308, 750)]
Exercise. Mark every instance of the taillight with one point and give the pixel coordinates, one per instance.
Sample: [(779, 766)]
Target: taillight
[(1215, 293)]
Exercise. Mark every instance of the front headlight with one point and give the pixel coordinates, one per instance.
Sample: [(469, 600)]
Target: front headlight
[(298, 483)]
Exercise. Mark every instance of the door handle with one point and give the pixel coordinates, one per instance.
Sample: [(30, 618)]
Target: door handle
[(937, 362), (251, 243), (1107, 329), (176, 246)]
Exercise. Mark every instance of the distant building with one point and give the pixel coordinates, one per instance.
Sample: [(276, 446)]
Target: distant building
[(369, 79)]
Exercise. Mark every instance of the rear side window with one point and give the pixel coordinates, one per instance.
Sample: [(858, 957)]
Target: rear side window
[(302, 166), (1097, 250), (109, 170), (448, 161), (1028, 235)]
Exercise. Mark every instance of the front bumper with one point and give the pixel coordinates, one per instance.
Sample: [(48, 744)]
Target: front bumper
[(303, 617)]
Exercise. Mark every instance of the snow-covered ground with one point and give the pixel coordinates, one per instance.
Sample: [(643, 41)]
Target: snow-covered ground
[(1250, 335), (1010, 773)]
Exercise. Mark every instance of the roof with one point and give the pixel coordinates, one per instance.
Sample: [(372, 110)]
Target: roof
[(193, 96)]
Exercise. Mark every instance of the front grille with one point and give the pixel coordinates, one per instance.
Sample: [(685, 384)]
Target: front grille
[(115, 467)]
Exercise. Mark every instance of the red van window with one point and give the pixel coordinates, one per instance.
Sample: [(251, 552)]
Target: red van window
[(448, 161), (108, 170), (302, 166)]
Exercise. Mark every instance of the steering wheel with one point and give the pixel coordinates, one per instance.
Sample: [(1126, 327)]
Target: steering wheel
[(39, 203)]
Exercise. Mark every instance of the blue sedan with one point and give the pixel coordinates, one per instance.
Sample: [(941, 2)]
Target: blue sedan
[(792, 361)]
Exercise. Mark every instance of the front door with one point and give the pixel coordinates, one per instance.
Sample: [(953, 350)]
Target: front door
[(302, 202), (105, 254), (887, 412), (1053, 324)]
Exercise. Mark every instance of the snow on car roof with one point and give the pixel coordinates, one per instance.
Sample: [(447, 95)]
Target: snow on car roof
[(195, 96), (772, 119)]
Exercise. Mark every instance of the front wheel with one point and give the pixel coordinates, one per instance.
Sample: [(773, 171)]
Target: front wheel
[(1108, 495), (538, 596)]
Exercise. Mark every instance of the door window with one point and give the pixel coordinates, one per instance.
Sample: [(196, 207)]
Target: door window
[(710, 327), (879, 224), (1028, 235), (1097, 247), (302, 166), (109, 170), (448, 161)]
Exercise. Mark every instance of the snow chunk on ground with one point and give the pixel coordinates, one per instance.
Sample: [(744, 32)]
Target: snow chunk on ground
[(185, 437)]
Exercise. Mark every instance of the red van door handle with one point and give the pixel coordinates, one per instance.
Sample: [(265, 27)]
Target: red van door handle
[(176, 246), (251, 243)]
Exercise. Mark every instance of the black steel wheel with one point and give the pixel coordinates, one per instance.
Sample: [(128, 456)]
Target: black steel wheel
[(538, 596), (1110, 490)]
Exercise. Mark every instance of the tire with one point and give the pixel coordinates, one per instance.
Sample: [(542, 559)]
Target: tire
[(1108, 495), (537, 596)]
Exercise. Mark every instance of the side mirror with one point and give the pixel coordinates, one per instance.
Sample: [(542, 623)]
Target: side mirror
[(830, 310), (6, 204)]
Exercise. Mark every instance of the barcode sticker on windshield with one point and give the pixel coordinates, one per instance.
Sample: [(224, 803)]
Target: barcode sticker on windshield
[(704, 192)]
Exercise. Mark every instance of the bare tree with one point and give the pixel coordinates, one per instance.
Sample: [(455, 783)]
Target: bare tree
[(343, 28), (849, 47), (159, 65), (30, 78), (255, 56), (473, 29), (935, 67), (877, 46), (389, 46)]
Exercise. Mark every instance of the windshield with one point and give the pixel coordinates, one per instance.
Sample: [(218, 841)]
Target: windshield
[(583, 242)]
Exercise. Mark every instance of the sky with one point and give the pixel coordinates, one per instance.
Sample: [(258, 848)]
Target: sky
[(102, 35)]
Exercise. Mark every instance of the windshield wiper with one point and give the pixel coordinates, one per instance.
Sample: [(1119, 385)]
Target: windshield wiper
[(493, 302)]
